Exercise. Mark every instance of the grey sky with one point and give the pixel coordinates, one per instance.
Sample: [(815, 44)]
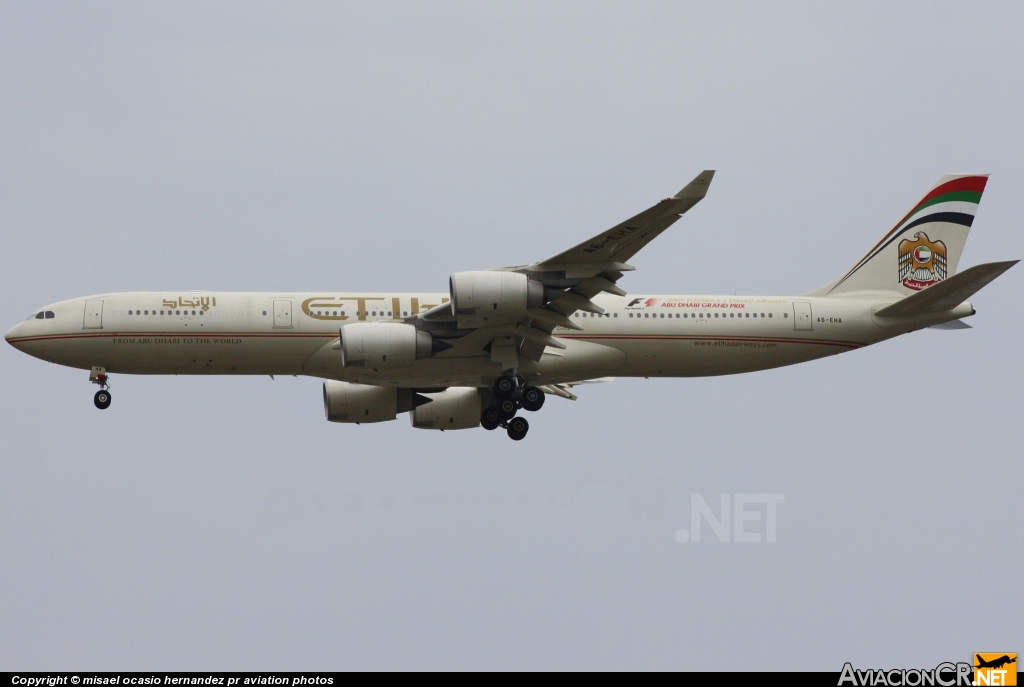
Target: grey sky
[(223, 523)]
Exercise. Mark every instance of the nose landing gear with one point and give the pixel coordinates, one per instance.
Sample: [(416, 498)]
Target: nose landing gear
[(98, 375)]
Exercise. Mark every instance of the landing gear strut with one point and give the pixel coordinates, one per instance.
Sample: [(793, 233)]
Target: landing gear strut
[(98, 375)]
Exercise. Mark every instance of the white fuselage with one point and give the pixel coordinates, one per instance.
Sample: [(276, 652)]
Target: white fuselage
[(297, 334)]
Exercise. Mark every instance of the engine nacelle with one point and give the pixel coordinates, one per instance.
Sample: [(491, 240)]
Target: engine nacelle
[(344, 402), (383, 345), (494, 295), (455, 408)]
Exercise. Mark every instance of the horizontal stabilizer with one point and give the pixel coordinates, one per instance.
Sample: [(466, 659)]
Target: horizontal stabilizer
[(949, 293)]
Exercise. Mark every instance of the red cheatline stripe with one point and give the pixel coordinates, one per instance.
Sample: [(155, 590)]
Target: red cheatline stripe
[(187, 335), (815, 342)]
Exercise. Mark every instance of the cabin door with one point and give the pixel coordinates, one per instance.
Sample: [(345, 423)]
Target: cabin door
[(802, 316), (93, 315), (282, 314)]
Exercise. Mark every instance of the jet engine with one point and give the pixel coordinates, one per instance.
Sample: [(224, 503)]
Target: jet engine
[(358, 403), (383, 345), (455, 408), (494, 295), (344, 402)]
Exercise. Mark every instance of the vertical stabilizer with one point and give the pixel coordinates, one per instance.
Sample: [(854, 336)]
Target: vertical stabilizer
[(923, 248)]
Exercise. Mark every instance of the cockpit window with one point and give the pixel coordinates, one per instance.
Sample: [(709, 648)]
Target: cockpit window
[(39, 315), (50, 315)]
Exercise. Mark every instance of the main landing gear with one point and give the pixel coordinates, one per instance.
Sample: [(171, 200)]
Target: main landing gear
[(98, 375), (511, 394)]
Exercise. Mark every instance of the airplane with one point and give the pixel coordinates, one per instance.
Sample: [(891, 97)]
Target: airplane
[(994, 663), (503, 339)]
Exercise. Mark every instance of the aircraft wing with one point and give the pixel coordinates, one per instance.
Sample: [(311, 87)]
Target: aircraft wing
[(571, 280), (614, 247)]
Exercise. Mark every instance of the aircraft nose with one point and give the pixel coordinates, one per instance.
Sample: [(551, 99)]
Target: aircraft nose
[(13, 333)]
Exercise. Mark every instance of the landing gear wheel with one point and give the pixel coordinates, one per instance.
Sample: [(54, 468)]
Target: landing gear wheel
[(102, 399), (507, 408), (517, 428), (533, 399), (505, 387), (490, 418)]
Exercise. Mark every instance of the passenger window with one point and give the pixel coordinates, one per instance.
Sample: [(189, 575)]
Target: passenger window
[(769, 315), (615, 315), (785, 314), (177, 312)]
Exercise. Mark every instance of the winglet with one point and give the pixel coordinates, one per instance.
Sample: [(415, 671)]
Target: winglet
[(698, 188)]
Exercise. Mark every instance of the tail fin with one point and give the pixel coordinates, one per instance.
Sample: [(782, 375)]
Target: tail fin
[(923, 248)]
